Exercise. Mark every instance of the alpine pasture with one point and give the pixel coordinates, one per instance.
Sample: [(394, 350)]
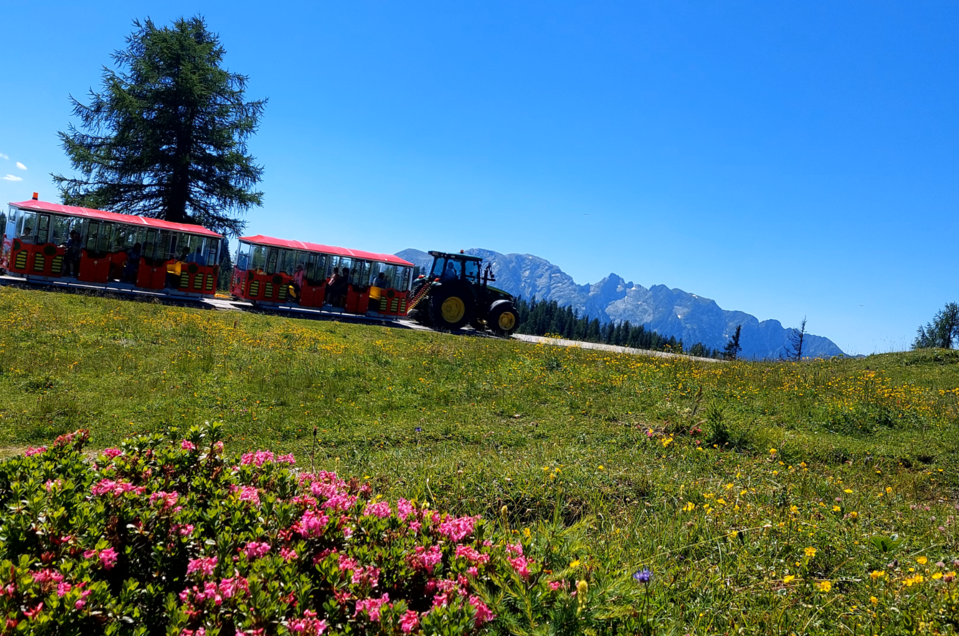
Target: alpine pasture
[(752, 497)]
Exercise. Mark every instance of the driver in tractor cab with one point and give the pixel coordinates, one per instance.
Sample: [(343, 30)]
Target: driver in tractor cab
[(449, 273)]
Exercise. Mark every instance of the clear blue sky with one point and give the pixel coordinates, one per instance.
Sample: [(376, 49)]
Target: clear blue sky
[(786, 159)]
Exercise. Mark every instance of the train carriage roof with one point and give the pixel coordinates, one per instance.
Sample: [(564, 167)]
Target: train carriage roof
[(270, 241), (101, 215)]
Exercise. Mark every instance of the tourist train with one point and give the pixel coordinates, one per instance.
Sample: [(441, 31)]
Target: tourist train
[(54, 244)]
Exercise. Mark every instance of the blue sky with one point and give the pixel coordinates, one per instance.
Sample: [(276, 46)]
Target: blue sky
[(786, 159)]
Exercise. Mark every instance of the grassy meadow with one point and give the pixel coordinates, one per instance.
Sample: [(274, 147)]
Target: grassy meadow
[(814, 497)]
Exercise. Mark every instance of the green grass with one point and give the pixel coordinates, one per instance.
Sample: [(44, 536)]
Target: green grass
[(669, 461)]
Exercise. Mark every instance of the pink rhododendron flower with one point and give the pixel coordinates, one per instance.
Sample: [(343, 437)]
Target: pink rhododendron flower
[(472, 571), (403, 510), (340, 502), (483, 613), (116, 488), (30, 452), (409, 621), (63, 588), (367, 576), (457, 528), (380, 509), (308, 625), (440, 600), (108, 558), (427, 559), (255, 550), (288, 554), (230, 587), (286, 459), (187, 445), (112, 452), (168, 499), (50, 484), (415, 526), (203, 565), (372, 606), (82, 601), (249, 493), (257, 459), (515, 549), (31, 613), (555, 585), (311, 524), (471, 554), (521, 565), (218, 447), (184, 530)]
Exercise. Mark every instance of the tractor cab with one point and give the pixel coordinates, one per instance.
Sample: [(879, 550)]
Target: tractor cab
[(456, 291)]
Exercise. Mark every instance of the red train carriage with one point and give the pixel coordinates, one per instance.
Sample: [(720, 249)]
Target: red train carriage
[(118, 250), (272, 271)]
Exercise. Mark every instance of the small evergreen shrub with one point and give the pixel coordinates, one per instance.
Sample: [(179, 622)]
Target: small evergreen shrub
[(165, 536)]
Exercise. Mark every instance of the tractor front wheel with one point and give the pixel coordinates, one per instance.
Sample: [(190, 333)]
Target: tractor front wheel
[(451, 309), (503, 319)]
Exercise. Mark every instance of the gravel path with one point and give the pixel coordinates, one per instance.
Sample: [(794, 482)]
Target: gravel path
[(559, 342)]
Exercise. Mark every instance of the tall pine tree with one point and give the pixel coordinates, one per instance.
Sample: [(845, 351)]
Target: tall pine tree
[(166, 136)]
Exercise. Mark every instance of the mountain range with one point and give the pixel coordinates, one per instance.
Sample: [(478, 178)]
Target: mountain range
[(668, 312)]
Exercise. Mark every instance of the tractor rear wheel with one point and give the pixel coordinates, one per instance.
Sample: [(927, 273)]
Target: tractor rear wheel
[(451, 309), (503, 319)]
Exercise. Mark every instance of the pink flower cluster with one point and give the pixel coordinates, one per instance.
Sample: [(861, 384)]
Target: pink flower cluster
[(187, 445), (457, 528), (372, 607), (248, 493), (379, 509), (256, 550), (112, 452), (168, 499), (311, 524), (265, 457), (116, 488), (31, 451), (520, 563), (108, 557), (308, 625), (227, 588), (203, 565), (426, 558)]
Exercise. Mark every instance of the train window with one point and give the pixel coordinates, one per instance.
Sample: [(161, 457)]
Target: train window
[(27, 226), (150, 244), (3, 224), (212, 252), (43, 228), (105, 238), (89, 235), (258, 259), (243, 256), (272, 254), (60, 229), (401, 278), (360, 274)]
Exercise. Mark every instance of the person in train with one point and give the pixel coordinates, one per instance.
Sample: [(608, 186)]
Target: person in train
[(381, 281), (133, 263), (196, 257), (337, 289), (71, 260), (298, 279)]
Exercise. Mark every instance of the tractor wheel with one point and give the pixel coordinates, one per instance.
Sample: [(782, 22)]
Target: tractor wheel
[(503, 319), (451, 309)]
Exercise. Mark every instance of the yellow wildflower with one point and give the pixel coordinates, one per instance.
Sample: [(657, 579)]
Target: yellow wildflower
[(788, 579), (877, 574), (922, 560), (810, 552), (825, 586)]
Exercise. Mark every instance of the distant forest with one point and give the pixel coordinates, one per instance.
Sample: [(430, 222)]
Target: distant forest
[(541, 318)]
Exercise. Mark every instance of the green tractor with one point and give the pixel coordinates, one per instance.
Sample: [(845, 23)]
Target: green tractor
[(456, 292)]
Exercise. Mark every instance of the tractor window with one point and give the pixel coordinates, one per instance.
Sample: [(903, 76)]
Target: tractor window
[(439, 263), (451, 270), (473, 270)]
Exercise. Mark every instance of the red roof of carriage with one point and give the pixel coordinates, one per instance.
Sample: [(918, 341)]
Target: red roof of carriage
[(259, 239), (100, 215)]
